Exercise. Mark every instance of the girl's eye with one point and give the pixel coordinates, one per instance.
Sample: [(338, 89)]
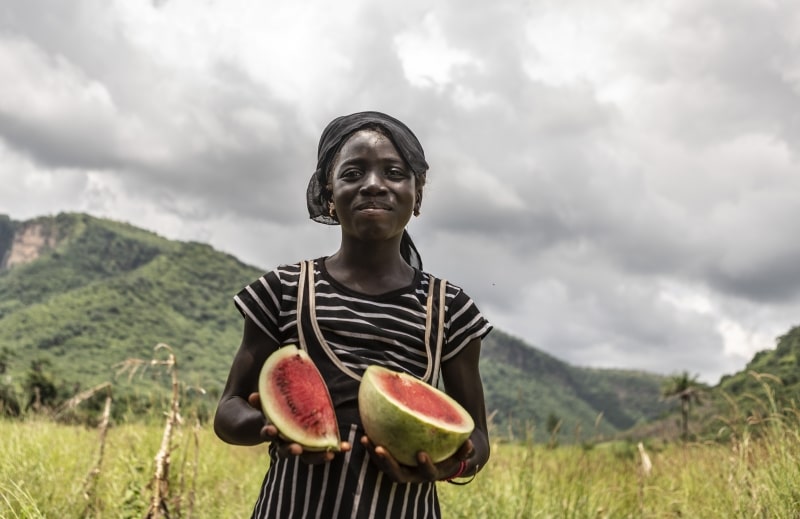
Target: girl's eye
[(350, 173), (396, 173)]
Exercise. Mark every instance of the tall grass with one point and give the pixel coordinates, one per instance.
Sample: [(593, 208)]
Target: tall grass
[(758, 478), (44, 465), (752, 470)]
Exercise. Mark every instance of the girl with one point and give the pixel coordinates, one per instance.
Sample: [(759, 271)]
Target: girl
[(371, 301)]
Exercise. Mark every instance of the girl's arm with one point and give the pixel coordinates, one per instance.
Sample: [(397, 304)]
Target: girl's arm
[(237, 421), (462, 381)]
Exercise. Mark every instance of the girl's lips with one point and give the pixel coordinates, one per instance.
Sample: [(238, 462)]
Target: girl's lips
[(373, 207)]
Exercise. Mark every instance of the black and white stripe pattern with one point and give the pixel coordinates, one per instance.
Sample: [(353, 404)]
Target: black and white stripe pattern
[(348, 487), (360, 330)]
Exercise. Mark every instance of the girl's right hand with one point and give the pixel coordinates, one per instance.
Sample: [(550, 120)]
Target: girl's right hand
[(425, 470), (271, 434)]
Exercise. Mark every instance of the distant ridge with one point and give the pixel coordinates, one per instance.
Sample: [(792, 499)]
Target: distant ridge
[(87, 293)]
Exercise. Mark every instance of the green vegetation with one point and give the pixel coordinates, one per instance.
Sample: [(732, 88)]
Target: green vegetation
[(524, 387), (102, 292), (101, 295), (7, 231), (108, 292), (783, 362), (738, 396), (51, 482), (756, 473), (688, 391)]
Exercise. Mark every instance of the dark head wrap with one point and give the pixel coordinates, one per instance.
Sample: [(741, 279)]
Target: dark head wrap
[(318, 196)]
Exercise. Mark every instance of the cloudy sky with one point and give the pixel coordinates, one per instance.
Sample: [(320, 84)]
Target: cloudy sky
[(616, 182)]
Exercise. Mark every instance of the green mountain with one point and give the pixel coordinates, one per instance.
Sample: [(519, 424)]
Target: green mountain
[(782, 363), (86, 293), (765, 392), (768, 386), (80, 295), (529, 389)]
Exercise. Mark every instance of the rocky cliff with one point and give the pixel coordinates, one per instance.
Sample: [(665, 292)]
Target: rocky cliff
[(24, 242)]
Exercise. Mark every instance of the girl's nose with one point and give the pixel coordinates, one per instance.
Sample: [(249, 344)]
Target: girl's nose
[(373, 183)]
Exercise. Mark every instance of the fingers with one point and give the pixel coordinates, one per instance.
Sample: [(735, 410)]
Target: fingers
[(295, 449), (366, 443), (388, 464), (254, 400), (381, 457), (427, 467), (289, 448), (425, 470), (466, 451), (269, 433)]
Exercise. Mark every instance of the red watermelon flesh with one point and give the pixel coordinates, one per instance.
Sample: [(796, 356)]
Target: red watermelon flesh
[(295, 399)]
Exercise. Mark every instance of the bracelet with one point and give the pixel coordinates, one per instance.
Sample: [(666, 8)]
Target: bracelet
[(462, 467)]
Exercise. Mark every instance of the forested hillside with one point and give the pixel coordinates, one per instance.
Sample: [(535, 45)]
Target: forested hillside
[(783, 363), (531, 389), (79, 295), (106, 291), (778, 368)]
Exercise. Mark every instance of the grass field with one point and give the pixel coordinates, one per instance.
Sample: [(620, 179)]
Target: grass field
[(45, 471)]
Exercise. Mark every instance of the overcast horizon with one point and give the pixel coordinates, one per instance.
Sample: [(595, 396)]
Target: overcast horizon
[(614, 182)]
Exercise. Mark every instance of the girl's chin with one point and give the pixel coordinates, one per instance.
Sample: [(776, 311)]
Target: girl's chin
[(374, 232)]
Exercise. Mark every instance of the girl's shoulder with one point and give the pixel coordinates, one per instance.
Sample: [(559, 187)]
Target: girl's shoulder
[(277, 283), (288, 272), (452, 289)]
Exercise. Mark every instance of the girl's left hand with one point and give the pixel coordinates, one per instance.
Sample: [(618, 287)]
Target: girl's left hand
[(286, 447), (426, 470)]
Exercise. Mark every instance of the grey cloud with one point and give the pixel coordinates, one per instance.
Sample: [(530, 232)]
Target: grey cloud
[(201, 137), (723, 68), (559, 210)]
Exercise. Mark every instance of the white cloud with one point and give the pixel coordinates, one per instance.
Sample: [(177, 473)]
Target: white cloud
[(47, 87), (428, 60), (742, 342), (29, 190), (613, 182), (291, 50)]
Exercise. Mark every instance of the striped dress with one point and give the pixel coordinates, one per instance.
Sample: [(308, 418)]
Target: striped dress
[(353, 331)]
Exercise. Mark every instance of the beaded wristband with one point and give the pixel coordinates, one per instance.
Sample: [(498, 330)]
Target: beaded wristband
[(477, 468), (461, 468)]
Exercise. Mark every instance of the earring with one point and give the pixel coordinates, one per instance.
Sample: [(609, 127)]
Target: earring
[(332, 210)]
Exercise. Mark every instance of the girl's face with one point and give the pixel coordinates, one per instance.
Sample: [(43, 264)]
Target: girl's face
[(374, 191)]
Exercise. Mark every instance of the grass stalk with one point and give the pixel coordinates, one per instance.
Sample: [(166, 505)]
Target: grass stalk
[(90, 482), (159, 484)]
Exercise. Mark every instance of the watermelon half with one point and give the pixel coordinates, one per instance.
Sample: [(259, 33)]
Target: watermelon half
[(405, 415), (295, 398)]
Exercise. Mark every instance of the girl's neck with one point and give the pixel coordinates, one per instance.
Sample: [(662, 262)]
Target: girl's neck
[(370, 268)]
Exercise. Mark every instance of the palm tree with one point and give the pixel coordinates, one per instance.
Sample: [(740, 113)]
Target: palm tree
[(688, 390)]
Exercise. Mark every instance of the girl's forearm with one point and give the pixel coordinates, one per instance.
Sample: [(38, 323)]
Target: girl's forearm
[(237, 422), (480, 442)]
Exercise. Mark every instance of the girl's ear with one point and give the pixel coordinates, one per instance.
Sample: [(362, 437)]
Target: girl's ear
[(328, 192), (417, 202)]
